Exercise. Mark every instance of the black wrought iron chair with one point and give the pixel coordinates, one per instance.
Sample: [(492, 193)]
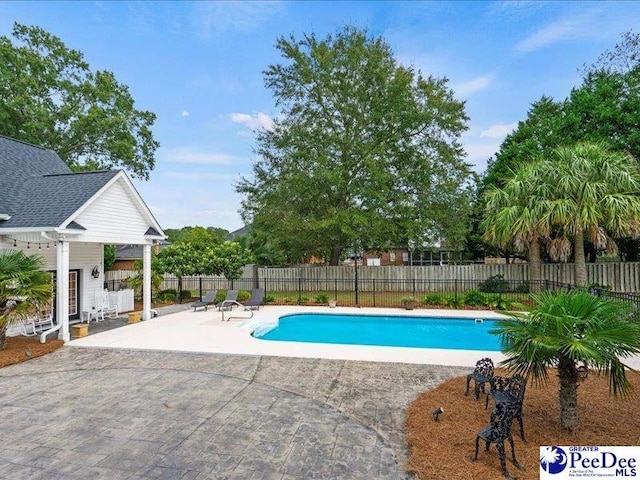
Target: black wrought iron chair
[(497, 432), (509, 390), (481, 375)]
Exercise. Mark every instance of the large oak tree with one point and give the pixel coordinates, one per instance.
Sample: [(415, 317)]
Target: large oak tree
[(364, 153), (50, 97)]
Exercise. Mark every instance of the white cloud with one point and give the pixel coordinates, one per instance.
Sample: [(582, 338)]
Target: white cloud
[(188, 155), (227, 177), (499, 130), (185, 113), (586, 24), (517, 9), (472, 86), (256, 121), (479, 153), (217, 18)]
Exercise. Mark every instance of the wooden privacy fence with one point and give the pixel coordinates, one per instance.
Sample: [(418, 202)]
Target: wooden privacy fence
[(619, 276)]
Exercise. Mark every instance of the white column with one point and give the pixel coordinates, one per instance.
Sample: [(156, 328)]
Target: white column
[(62, 289), (146, 282)]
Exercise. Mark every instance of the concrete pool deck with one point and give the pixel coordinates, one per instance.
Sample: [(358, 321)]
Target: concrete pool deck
[(113, 414), (205, 332)]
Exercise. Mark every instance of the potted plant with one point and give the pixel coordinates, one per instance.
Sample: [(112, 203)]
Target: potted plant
[(409, 303), (332, 303)]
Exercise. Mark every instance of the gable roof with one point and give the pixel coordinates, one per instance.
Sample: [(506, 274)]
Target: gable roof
[(38, 190), (19, 162), (47, 201)]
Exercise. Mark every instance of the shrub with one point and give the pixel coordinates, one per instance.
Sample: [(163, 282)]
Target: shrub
[(434, 299), (302, 300), (454, 302), (169, 295), (597, 289), (269, 299), (322, 298), (496, 302), (474, 298), (185, 295), (523, 288), (494, 284), (244, 295), (286, 300)]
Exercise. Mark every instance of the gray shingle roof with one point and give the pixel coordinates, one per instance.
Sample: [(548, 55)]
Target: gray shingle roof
[(38, 189), (134, 252)]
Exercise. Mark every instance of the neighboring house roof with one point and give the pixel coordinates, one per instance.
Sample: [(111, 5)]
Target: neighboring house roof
[(38, 190), (241, 232), (134, 252)]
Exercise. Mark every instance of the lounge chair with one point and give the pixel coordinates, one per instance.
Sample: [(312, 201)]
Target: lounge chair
[(230, 300), (257, 297), (207, 300)]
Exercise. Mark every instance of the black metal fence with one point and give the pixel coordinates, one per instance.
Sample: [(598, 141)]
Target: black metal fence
[(492, 293)]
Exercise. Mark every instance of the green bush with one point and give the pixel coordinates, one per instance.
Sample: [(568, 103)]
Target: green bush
[(269, 299), (474, 298), (523, 288), (302, 300), (494, 284), (244, 295), (434, 299), (454, 302), (496, 302), (220, 296), (286, 300), (185, 295), (322, 298), (169, 295)]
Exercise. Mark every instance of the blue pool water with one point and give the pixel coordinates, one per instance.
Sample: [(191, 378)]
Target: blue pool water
[(391, 331)]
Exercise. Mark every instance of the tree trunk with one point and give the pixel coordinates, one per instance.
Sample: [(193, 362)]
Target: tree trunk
[(580, 267), (3, 335), (568, 376), (535, 268), (335, 256)]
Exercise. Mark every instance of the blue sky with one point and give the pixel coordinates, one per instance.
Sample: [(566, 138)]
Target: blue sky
[(199, 66)]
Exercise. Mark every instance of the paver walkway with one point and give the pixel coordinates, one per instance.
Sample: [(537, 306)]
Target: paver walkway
[(122, 414)]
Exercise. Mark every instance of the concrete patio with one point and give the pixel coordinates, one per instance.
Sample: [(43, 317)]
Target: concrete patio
[(125, 414)]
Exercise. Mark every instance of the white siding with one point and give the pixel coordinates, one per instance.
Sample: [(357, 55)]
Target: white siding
[(115, 217), (82, 256)]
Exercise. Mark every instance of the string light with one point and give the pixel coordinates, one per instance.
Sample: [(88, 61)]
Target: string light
[(16, 241)]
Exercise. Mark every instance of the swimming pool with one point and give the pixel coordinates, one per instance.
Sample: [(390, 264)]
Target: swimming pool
[(387, 330)]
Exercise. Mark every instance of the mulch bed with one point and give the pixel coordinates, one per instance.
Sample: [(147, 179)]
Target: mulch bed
[(21, 349), (444, 449)]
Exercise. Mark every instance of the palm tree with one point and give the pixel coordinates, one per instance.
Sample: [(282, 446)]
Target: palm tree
[(23, 286), (563, 330), (596, 196), (515, 215)]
